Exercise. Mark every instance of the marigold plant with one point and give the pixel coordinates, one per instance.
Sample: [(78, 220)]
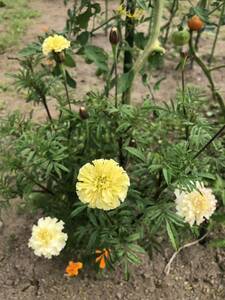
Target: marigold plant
[(113, 178)]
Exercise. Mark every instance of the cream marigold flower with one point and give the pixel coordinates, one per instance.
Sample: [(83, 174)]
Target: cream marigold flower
[(56, 43), (197, 205), (102, 184), (47, 237)]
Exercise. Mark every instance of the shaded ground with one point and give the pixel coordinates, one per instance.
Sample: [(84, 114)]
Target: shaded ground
[(197, 273)]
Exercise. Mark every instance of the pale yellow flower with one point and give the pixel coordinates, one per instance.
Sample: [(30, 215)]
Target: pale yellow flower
[(136, 15), (102, 184), (47, 237), (56, 43), (195, 206)]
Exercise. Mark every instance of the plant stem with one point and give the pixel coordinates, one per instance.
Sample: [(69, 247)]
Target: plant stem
[(173, 11), (46, 108), (217, 32), (152, 43), (114, 48), (218, 133), (106, 16), (217, 68), (216, 95), (103, 24), (129, 37), (65, 84)]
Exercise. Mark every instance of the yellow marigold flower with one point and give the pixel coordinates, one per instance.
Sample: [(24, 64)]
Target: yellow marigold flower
[(197, 205), (73, 268), (56, 43), (102, 184), (47, 237), (102, 257)]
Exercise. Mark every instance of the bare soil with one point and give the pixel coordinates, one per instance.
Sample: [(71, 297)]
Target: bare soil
[(197, 273)]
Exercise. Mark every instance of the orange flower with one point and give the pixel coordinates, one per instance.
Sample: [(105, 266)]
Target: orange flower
[(72, 268), (45, 28), (103, 256)]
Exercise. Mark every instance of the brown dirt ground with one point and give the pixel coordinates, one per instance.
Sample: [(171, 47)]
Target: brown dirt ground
[(196, 274)]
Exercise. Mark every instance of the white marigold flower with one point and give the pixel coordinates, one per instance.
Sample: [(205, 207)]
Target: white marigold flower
[(47, 237), (197, 205)]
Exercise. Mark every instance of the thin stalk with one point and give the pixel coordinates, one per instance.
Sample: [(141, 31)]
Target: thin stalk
[(103, 24), (218, 133), (217, 68), (217, 33), (173, 11), (216, 95), (46, 108), (114, 48), (65, 84), (106, 15), (129, 37)]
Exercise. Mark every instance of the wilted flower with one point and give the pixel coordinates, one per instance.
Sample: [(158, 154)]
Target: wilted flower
[(197, 205), (73, 268), (55, 43), (47, 237), (102, 257), (102, 184)]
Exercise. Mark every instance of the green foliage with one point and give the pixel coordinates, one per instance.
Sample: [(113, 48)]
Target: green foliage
[(162, 147)]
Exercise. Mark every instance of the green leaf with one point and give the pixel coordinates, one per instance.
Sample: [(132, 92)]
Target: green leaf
[(70, 81), (136, 152), (172, 234), (98, 56), (69, 61), (136, 248), (83, 38), (133, 237), (78, 210), (125, 81), (167, 176)]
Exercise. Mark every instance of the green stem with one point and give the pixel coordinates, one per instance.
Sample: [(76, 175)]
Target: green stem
[(106, 16), (216, 95), (65, 84), (217, 32), (218, 133), (129, 37), (114, 48), (153, 43), (103, 24), (217, 68), (173, 11)]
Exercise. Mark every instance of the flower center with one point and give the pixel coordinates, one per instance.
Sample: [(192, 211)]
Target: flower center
[(45, 236), (199, 202), (101, 183)]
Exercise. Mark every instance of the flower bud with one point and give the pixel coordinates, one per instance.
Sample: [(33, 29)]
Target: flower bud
[(83, 113), (133, 143), (114, 37)]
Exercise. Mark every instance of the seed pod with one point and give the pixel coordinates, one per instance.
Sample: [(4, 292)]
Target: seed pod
[(195, 23), (181, 37), (114, 37), (83, 113)]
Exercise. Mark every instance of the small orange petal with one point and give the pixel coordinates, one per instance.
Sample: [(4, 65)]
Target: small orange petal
[(102, 263)]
